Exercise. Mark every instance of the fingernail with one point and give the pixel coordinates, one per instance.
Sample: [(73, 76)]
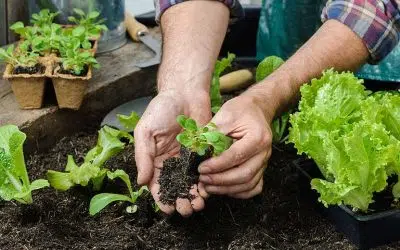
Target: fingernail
[(205, 178)]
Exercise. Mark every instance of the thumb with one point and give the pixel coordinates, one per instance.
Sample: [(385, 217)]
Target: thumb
[(144, 156)]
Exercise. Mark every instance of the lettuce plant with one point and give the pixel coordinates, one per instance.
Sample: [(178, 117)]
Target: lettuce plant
[(352, 135), (109, 143), (14, 180), (202, 139), (215, 93), (100, 201), (22, 58), (76, 61)]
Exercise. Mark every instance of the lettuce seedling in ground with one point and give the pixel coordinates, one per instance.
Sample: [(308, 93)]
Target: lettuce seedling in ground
[(14, 180), (199, 143), (100, 201), (351, 135), (110, 142), (215, 94)]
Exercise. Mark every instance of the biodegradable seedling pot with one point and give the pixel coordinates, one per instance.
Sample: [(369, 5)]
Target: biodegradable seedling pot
[(28, 88), (70, 90)]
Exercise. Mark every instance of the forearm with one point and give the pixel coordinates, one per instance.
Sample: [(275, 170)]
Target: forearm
[(334, 45), (193, 33)]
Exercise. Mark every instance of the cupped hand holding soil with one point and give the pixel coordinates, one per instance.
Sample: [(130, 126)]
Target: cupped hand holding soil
[(155, 141)]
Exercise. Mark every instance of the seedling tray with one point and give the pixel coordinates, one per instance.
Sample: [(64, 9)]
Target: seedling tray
[(364, 230)]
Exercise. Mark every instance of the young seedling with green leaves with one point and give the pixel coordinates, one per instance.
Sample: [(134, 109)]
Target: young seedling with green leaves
[(43, 18), (22, 58), (215, 93), (76, 61), (93, 27), (14, 180), (100, 201), (202, 139), (110, 142)]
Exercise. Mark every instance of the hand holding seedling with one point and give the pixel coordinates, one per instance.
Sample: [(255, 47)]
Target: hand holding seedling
[(238, 172), (155, 138)]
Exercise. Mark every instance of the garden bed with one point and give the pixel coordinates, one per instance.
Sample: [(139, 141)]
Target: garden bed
[(280, 218)]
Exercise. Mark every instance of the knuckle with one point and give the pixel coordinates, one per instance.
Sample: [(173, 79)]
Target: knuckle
[(247, 175), (239, 157)]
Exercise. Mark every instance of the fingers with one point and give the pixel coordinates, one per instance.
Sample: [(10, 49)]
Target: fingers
[(155, 189), (144, 155), (202, 191), (248, 194), (238, 175), (238, 153), (184, 207), (197, 202), (235, 189)]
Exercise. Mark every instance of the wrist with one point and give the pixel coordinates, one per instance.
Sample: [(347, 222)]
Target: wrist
[(272, 95)]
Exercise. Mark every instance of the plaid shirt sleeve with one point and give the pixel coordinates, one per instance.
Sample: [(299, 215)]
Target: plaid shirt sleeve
[(234, 5), (376, 22)]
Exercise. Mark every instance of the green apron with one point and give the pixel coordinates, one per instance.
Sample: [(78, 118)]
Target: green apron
[(286, 25)]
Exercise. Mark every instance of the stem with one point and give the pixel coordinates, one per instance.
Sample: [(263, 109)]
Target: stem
[(17, 185)]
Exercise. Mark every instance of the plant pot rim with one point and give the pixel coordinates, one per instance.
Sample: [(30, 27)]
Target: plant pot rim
[(72, 77), (8, 73)]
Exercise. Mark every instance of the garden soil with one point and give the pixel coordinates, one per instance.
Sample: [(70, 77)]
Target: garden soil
[(282, 217)]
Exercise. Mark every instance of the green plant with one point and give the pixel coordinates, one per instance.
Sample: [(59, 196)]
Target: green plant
[(353, 137), (14, 180), (77, 34), (93, 27), (215, 94), (109, 143), (100, 201), (201, 139), (23, 58), (52, 36), (91, 170), (25, 32), (129, 122), (43, 18), (76, 61), (279, 128), (267, 66)]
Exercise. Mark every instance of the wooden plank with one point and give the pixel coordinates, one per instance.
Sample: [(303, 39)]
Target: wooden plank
[(17, 10), (3, 23)]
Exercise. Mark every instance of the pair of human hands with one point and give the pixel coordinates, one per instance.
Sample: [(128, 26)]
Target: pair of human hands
[(237, 172)]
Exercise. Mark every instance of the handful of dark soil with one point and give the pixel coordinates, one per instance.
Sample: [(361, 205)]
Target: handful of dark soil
[(178, 175)]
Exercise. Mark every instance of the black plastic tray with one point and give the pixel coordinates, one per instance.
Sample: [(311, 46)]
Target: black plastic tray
[(365, 231)]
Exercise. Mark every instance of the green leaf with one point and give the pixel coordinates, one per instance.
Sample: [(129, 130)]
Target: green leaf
[(17, 26), (223, 64), (181, 119), (267, 66), (78, 31), (100, 201), (184, 139), (190, 125), (93, 15), (79, 12), (129, 122), (39, 184), (121, 174), (14, 179), (59, 180)]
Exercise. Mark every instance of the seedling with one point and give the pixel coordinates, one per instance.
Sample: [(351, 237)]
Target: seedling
[(110, 142), (23, 58), (215, 93), (267, 66), (14, 180), (43, 18), (279, 128), (93, 27), (100, 201), (76, 61), (25, 32), (202, 139)]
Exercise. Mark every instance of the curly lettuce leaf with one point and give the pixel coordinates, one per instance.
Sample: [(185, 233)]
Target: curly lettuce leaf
[(14, 180), (351, 135), (129, 122)]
